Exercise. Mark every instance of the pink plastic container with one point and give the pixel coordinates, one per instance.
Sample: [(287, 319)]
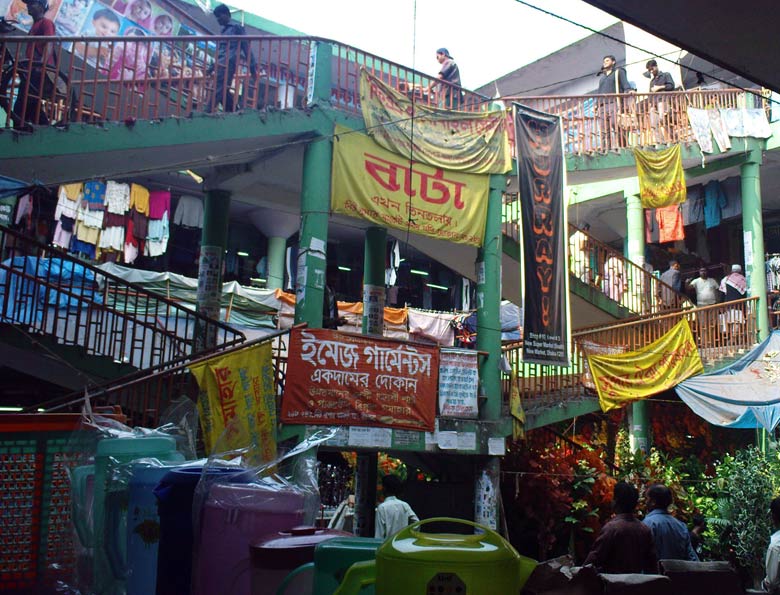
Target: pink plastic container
[(234, 516)]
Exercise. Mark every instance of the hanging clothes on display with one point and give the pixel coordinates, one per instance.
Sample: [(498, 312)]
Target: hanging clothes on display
[(139, 199), (670, 224), (117, 197), (714, 201), (189, 212), (432, 326)]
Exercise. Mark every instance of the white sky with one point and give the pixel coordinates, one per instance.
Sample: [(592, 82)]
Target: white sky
[(487, 39)]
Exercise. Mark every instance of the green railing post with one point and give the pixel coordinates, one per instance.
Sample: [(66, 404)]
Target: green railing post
[(315, 204)]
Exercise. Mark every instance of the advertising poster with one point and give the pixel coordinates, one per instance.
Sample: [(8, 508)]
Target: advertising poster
[(458, 383), (339, 379), (544, 236)]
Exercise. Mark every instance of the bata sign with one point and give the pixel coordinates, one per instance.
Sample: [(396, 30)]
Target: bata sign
[(339, 379)]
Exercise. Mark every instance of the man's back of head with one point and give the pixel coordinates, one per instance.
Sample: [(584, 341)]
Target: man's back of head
[(624, 498), (392, 485), (659, 497)]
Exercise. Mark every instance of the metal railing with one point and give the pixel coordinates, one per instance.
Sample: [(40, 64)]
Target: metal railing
[(58, 80), (720, 331), (602, 123), (144, 396), (598, 265), (47, 291)]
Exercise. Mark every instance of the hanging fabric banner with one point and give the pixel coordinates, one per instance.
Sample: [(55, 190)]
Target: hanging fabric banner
[(469, 142), (542, 205), (658, 366), (661, 177), (372, 183), (458, 383), (339, 379), (237, 393)]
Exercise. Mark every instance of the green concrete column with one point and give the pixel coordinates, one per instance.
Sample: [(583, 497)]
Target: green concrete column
[(277, 248), (374, 281), (216, 213), (753, 230), (320, 56), (639, 427), (489, 304), (315, 204)]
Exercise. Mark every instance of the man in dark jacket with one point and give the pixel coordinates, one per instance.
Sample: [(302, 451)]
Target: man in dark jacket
[(659, 81), (613, 81), (229, 55), (624, 545)]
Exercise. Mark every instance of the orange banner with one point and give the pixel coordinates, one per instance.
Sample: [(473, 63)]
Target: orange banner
[(339, 379)]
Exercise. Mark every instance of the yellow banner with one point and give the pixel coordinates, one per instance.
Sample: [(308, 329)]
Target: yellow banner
[(372, 183), (661, 177), (626, 377), (471, 142), (238, 394)]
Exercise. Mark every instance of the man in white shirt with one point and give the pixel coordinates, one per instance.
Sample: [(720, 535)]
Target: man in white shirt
[(772, 581), (393, 514), (706, 289)]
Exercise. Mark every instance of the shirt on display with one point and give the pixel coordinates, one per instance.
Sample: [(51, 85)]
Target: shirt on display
[(95, 194), (117, 197), (670, 224), (714, 201), (139, 199), (189, 212)]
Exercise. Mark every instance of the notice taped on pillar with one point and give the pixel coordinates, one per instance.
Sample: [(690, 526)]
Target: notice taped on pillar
[(543, 217)]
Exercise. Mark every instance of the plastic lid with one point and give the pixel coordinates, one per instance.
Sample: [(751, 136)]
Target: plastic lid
[(413, 544), (141, 446), (290, 549)]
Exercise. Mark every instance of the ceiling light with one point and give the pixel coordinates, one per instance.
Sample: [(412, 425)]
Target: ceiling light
[(346, 269), (433, 286), (418, 272), (242, 253), (10, 409)]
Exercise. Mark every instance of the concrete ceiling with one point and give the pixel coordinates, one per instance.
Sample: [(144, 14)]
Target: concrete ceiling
[(739, 37)]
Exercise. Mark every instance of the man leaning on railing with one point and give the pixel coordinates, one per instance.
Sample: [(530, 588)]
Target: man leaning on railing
[(228, 55)]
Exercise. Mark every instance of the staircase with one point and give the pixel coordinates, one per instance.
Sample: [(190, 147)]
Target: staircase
[(598, 275), (80, 319)]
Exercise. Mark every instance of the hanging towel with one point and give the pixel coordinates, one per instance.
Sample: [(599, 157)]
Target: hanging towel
[(700, 124), (718, 129), (661, 177)]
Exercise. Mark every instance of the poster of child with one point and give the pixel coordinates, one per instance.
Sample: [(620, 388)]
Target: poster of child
[(71, 16), (101, 21), (140, 12), (17, 11), (163, 24), (130, 58)]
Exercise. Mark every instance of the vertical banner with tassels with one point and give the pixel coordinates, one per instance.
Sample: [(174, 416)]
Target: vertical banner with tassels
[(543, 214)]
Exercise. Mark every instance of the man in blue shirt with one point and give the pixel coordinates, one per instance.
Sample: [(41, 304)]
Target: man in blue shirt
[(672, 540)]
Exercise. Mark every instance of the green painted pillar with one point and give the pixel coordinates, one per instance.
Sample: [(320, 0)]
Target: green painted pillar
[(320, 56), (489, 341), (277, 248), (216, 214), (489, 303), (374, 281), (315, 204), (639, 426), (753, 235)]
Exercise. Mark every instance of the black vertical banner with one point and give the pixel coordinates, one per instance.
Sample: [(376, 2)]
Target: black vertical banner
[(540, 169)]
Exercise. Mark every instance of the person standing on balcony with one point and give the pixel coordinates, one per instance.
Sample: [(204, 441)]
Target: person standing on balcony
[(659, 81), (33, 72), (706, 289), (449, 93), (670, 278), (614, 81), (733, 287), (228, 55)]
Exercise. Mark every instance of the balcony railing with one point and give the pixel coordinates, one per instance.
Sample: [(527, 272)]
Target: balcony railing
[(602, 123), (721, 331), (44, 290), (58, 80)]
